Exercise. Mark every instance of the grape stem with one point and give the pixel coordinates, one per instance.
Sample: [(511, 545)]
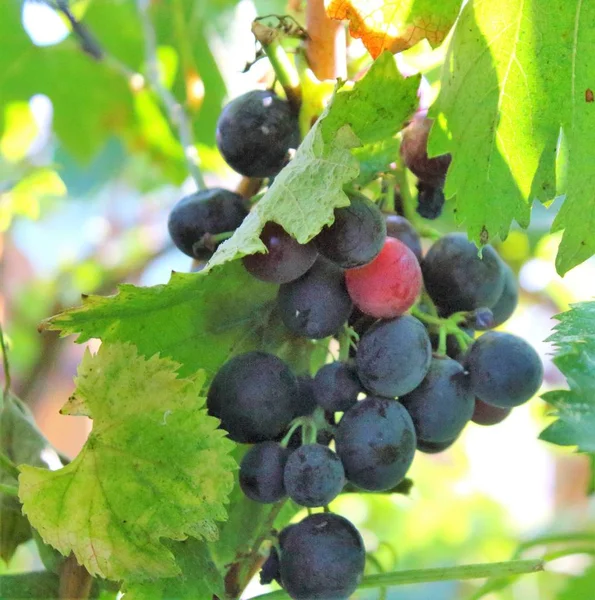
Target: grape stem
[(176, 113), (8, 466), (5, 363), (286, 73), (449, 326), (9, 490), (499, 582), (477, 571)]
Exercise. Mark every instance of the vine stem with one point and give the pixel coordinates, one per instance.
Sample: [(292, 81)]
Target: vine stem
[(5, 362), (9, 490), (175, 111), (255, 558), (8, 466), (284, 70), (477, 571)]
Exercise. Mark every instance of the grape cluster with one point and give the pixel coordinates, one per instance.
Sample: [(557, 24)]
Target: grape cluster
[(413, 382), (414, 375)]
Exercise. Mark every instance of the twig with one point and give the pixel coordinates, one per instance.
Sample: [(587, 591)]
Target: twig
[(175, 111), (89, 44), (239, 576), (326, 44), (5, 362)]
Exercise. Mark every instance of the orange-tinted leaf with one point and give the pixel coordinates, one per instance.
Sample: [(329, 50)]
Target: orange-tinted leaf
[(395, 25)]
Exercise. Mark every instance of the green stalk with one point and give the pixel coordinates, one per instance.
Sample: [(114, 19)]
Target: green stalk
[(478, 571), (284, 69), (4, 348), (9, 490), (8, 466), (442, 341)]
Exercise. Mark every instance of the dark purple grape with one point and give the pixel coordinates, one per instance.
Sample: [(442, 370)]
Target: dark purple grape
[(375, 441), (322, 558), (393, 356), (442, 404), (356, 236), (286, 259), (487, 414), (255, 133), (270, 569), (457, 279), (336, 386), (261, 472), (204, 213), (317, 304), (430, 201), (400, 228), (313, 476), (504, 369), (253, 394)]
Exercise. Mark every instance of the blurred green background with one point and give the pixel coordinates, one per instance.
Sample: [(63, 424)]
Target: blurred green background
[(90, 166)]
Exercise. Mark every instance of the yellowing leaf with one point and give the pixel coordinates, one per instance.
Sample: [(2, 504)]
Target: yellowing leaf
[(395, 25), (155, 466)]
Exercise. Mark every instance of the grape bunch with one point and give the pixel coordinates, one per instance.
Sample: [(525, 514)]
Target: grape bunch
[(412, 383), (423, 357)]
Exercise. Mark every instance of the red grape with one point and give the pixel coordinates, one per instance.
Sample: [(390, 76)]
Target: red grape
[(389, 285)]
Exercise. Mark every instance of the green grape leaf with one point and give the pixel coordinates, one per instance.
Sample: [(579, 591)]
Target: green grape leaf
[(96, 92), (377, 106), (574, 338), (375, 159), (504, 60), (197, 319), (23, 443), (304, 195), (199, 577), (155, 466)]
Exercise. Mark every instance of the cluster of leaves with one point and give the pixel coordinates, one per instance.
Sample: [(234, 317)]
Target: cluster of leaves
[(574, 340)]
